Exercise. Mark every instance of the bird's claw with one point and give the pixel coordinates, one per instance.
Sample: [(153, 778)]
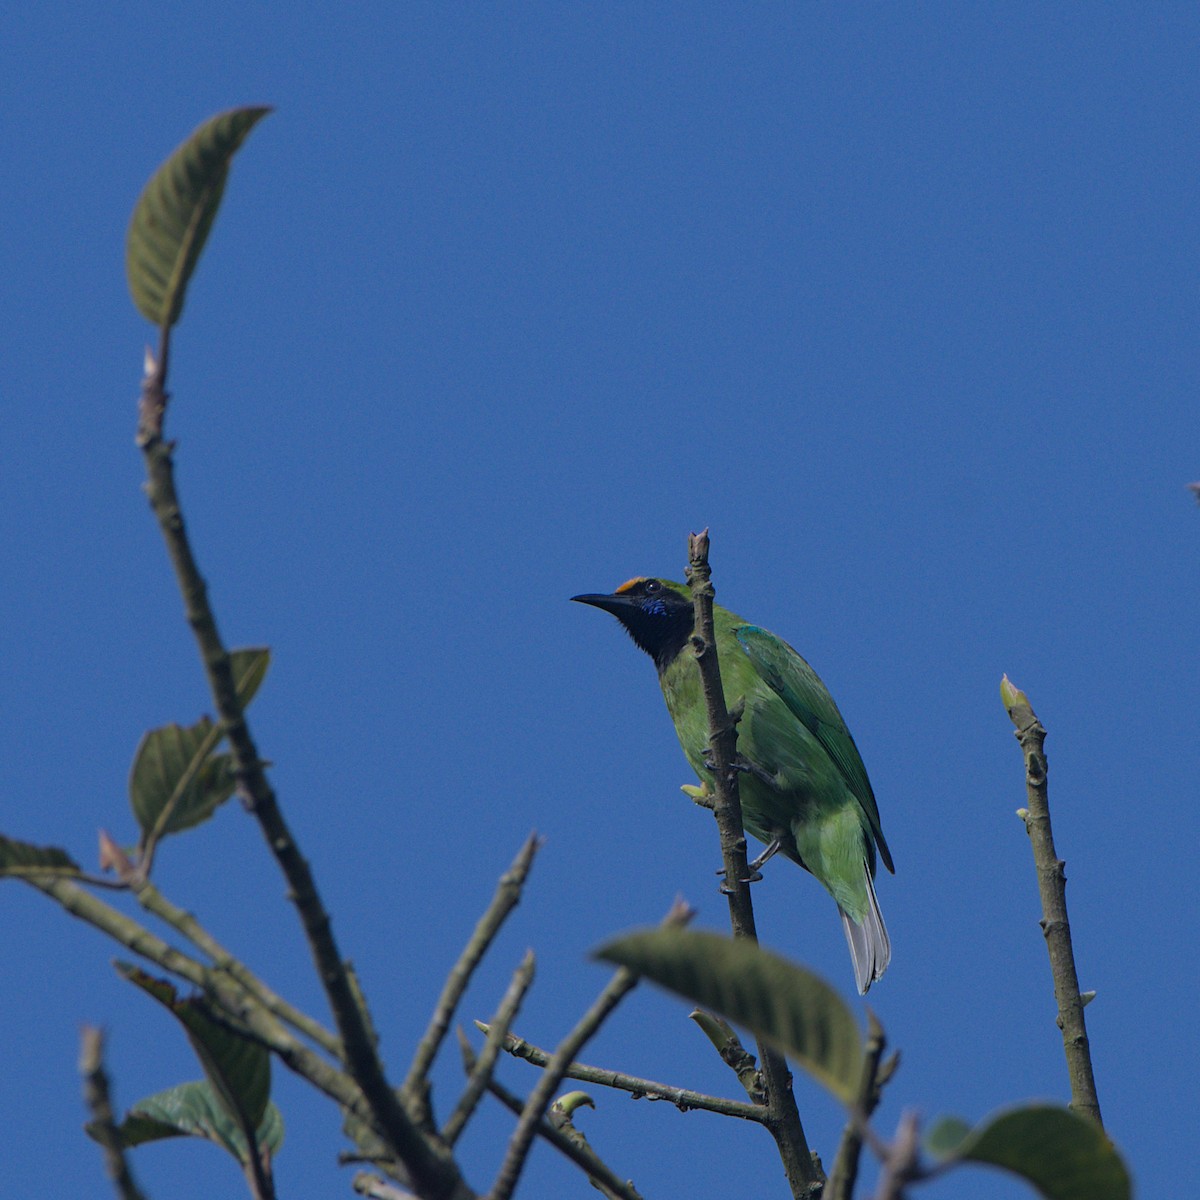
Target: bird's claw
[(747, 767), (773, 848), (754, 876)]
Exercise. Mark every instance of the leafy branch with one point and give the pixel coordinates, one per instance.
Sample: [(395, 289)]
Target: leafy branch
[(237, 1024)]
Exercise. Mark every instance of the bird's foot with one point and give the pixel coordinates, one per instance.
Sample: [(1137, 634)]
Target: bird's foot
[(753, 877), (747, 767), (760, 773), (755, 874), (773, 848), (726, 890)]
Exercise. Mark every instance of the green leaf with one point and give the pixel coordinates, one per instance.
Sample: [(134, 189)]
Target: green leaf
[(177, 765), (789, 1006), (175, 212), (946, 1136), (193, 1110), (238, 1069), (1063, 1155), (249, 667), (18, 859)]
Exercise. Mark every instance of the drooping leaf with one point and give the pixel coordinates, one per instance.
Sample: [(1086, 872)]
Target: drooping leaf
[(1063, 1155), (175, 212), (18, 859), (193, 1110), (238, 1069), (791, 1007), (177, 764)]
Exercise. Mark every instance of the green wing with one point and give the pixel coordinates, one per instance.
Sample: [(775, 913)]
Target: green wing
[(809, 701)]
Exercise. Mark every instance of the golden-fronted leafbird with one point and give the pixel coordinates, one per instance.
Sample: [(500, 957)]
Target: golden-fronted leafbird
[(803, 785)]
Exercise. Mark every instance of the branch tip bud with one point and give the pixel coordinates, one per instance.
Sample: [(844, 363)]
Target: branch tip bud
[(1010, 694)]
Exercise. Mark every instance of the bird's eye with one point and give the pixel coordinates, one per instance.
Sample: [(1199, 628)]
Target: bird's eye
[(652, 586)]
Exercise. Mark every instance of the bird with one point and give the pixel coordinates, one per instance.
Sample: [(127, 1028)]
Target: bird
[(803, 786)]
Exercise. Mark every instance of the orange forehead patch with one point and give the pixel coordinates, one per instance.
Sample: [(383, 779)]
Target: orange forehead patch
[(629, 584)]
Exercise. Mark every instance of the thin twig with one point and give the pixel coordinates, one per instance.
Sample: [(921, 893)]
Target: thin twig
[(621, 984), (734, 1055), (803, 1171), (900, 1159), (845, 1166), (582, 1156), (257, 1167), (477, 1081), (506, 898), (374, 1188), (641, 1089), (433, 1172), (231, 1002), (90, 909), (103, 1125), (186, 924), (1052, 887), (562, 1117)]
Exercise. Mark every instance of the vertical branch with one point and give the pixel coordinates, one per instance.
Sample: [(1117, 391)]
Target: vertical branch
[(480, 1076), (508, 895), (870, 1088), (1052, 886), (804, 1175), (103, 1126)]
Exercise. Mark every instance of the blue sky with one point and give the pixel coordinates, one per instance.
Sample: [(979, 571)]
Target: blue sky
[(900, 301)]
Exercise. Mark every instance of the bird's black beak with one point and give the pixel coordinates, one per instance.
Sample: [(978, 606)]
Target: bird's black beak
[(615, 604)]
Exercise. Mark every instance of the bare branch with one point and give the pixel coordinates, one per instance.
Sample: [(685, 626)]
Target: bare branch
[(231, 1002), (374, 1188), (845, 1167), (622, 982), (582, 1155), (508, 895), (803, 1171), (734, 1055), (103, 1125), (1052, 887), (641, 1089), (482, 1072), (900, 1159), (186, 924)]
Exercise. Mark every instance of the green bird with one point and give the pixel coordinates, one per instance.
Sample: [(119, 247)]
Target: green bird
[(804, 788)]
